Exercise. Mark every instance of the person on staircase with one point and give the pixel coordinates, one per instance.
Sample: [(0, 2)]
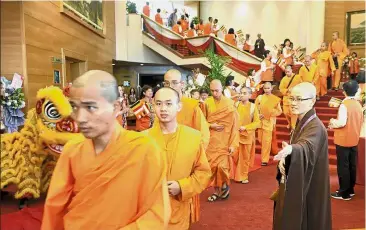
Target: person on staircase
[(269, 108), (347, 128), (230, 91), (339, 51), (289, 81), (309, 73), (324, 62)]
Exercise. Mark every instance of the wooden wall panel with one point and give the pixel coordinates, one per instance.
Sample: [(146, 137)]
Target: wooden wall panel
[(46, 34), (11, 42), (335, 20)]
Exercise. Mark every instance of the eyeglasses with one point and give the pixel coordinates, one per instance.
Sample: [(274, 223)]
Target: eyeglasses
[(173, 83), (297, 100)]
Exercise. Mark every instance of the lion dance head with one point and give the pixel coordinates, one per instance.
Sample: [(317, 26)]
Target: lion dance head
[(29, 156)]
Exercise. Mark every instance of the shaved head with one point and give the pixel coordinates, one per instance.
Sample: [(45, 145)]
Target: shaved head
[(93, 97), (173, 79), (267, 87), (306, 89), (99, 79), (216, 89), (167, 92), (307, 60)]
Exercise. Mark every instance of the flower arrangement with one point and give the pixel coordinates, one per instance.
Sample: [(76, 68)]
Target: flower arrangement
[(13, 98)]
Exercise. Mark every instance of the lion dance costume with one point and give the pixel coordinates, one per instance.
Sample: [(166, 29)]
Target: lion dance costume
[(28, 157)]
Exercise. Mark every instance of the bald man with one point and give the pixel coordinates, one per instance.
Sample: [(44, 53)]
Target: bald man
[(289, 81), (224, 125), (189, 171), (303, 200), (339, 51), (190, 115), (269, 108), (325, 63), (309, 73), (92, 173)]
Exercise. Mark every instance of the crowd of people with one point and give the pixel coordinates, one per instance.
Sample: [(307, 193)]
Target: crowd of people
[(186, 145)]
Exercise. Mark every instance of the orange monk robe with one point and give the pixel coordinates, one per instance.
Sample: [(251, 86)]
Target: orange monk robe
[(249, 118), (188, 165), (324, 63), (223, 113), (285, 89), (207, 29), (200, 29), (338, 47), (178, 29), (269, 106), (310, 74), (192, 116), (184, 24), (146, 10), (158, 19), (123, 187), (230, 39)]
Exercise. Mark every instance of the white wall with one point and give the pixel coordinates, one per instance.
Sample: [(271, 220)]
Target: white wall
[(300, 21), (129, 46)]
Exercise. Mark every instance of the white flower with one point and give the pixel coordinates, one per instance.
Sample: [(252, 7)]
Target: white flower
[(6, 94), (8, 103)]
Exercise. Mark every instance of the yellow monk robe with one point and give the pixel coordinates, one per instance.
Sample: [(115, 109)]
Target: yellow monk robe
[(324, 63), (223, 113), (309, 74), (191, 115), (285, 88), (269, 106), (123, 187), (249, 118), (188, 165), (338, 47)]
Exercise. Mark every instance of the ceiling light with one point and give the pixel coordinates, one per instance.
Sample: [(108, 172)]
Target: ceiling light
[(141, 64)]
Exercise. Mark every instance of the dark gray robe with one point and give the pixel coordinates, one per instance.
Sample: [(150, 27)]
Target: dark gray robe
[(305, 202)]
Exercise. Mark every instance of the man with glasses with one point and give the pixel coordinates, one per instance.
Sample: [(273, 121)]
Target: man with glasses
[(190, 115), (188, 171), (303, 201)]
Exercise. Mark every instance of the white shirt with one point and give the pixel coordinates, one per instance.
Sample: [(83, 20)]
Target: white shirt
[(284, 52), (341, 121)]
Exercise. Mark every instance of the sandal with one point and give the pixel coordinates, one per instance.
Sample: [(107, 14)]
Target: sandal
[(213, 198), (225, 193)]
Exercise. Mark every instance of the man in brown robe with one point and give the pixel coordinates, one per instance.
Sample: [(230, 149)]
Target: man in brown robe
[(303, 200)]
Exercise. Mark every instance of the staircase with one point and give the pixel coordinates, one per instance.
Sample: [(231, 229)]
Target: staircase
[(324, 112)]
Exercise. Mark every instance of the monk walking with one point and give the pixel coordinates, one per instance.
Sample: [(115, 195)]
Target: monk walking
[(269, 108), (190, 115), (324, 62), (111, 179), (309, 73), (289, 81), (223, 120), (339, 51), (248, 123), (188, 169)]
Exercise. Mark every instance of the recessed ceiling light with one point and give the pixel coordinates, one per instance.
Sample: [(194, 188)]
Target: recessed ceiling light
[(141, 64)]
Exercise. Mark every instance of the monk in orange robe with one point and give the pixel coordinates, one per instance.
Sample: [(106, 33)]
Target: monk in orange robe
[(223, 120), (207, 30), (339, 51), (158, 18), (267, 68), (287, 83), (188, 169), (147, 120), (248, 122), (269, 108), (309, 72), (183, 23), (114, 178), (190, 115), (146, 9), (200, 28), (177, 28), (324, 62)]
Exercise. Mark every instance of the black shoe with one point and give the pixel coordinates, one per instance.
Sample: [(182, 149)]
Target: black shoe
[(352, 194), (264, 164), (336, 195)]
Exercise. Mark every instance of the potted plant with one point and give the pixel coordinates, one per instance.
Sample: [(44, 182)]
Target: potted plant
[(131, 7), (196, 21)]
